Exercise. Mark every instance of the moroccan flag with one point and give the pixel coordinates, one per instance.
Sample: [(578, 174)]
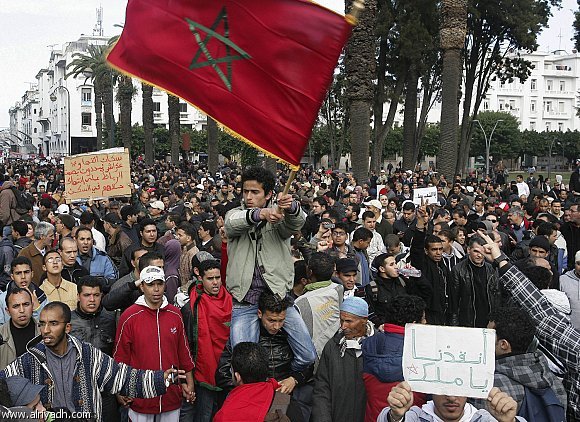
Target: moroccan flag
[(260, 68)]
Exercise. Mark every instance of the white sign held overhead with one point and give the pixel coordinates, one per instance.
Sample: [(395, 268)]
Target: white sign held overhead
[(429, 195), (453, 361)]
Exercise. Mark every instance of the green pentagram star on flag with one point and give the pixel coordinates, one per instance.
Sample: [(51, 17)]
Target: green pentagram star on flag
[(210, 60)]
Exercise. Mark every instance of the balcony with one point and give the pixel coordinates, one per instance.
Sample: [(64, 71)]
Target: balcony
[(157, 115), (183, 116), (563, 115), (86, 128)]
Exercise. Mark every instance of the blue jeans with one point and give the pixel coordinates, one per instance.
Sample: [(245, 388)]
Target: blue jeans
[(202, 410), (245, 327)]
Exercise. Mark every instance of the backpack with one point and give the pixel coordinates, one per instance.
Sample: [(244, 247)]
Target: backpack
[(541, 404), (23, 202)]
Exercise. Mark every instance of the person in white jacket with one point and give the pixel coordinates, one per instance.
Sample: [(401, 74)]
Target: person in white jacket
[(447, 408)]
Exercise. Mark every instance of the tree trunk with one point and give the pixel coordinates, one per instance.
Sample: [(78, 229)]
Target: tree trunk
[(147, 91), (378, 104), (452, 35), (98, 115), (174, 127), (379, 146), (212, 145), (410, 118), (108, 102), (271, 164), (360, 72), (125, 96)]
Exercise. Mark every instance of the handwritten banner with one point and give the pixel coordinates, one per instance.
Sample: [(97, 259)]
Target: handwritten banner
[(97, 175), (454, 361), (429, 195)]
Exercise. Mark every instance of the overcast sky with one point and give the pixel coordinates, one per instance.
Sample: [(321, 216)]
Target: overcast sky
[(29, 27)]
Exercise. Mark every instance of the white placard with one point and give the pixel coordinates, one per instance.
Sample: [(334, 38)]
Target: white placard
[(453, 361), (429, 195)]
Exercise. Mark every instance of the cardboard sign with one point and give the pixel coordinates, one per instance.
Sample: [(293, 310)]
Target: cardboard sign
[(454, 361), (97, 175), (429, 195)]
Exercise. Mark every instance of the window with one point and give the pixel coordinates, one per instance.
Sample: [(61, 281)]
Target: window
[(156, 106), (562, 85), (183, 107), (561, 107), (548, 126), (34, 111), (502, 104), (532, 125), (549, 84), (86, 119), (512, 104), (533, 106), (560, 127), (548, 106), (533, 84), (86, 96), (35, 130), (486, 105)]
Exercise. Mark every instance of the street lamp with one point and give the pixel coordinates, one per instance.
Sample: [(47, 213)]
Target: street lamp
[(550, 156), (487, 142), (53, 99)]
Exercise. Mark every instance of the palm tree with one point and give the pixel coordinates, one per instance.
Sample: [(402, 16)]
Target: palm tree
[(452, 35), (147, 92), (174, 126), (93, 66), (125, 94), (360, 72)]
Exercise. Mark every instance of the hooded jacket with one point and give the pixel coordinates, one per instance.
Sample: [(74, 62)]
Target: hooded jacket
[(94, 371), (570, 284), (514, 372), (153, 339), (102, 266)]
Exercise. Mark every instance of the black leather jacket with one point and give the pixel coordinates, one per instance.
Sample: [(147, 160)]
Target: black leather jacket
[(279, 356), (97, 329), (463, 304)]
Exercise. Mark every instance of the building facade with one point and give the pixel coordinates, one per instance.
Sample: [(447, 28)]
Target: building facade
[(57, 117)]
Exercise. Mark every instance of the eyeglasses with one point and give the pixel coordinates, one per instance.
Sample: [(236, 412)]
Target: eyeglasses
[(338, 233), (55, 259), (491, 221)]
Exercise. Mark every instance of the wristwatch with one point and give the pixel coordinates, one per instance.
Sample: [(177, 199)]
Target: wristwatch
[(503, 257)]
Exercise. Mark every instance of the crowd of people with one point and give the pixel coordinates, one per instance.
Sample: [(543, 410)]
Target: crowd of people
[(217, 296)]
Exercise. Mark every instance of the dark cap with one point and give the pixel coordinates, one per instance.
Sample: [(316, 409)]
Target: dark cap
[(113, 219), (68, 220), (540, 242), (346, 265), (22, 391)]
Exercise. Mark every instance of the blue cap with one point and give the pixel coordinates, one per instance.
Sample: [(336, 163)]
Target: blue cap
[(355, 306)]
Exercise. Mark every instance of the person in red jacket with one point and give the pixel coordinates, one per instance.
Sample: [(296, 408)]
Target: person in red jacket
[(383, 353), (250, 401), (151, 335)]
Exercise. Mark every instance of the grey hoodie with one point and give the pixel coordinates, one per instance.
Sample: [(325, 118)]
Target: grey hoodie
[(570, 284)]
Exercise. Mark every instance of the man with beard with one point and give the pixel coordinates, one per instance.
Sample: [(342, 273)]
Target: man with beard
[(71, 367)]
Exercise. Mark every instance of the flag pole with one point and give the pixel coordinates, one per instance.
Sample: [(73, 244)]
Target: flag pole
[(289, 182)]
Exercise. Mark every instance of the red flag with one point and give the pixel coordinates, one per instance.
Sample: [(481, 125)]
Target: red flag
[(259, 68)]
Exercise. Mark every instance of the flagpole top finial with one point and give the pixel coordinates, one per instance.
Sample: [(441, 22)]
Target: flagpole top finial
[(357, 7)]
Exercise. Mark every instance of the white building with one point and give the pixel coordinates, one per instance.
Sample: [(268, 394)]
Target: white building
[(57, 116), (546, 101)]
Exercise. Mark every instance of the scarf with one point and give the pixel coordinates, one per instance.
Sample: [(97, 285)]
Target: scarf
[(356, 343), (212, 316)]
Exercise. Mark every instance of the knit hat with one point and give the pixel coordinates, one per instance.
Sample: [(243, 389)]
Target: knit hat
[(346, 265), (355, 306), (540, 242)]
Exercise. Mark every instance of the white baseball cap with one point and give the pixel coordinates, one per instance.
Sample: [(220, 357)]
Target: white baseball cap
[(151, 273)]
